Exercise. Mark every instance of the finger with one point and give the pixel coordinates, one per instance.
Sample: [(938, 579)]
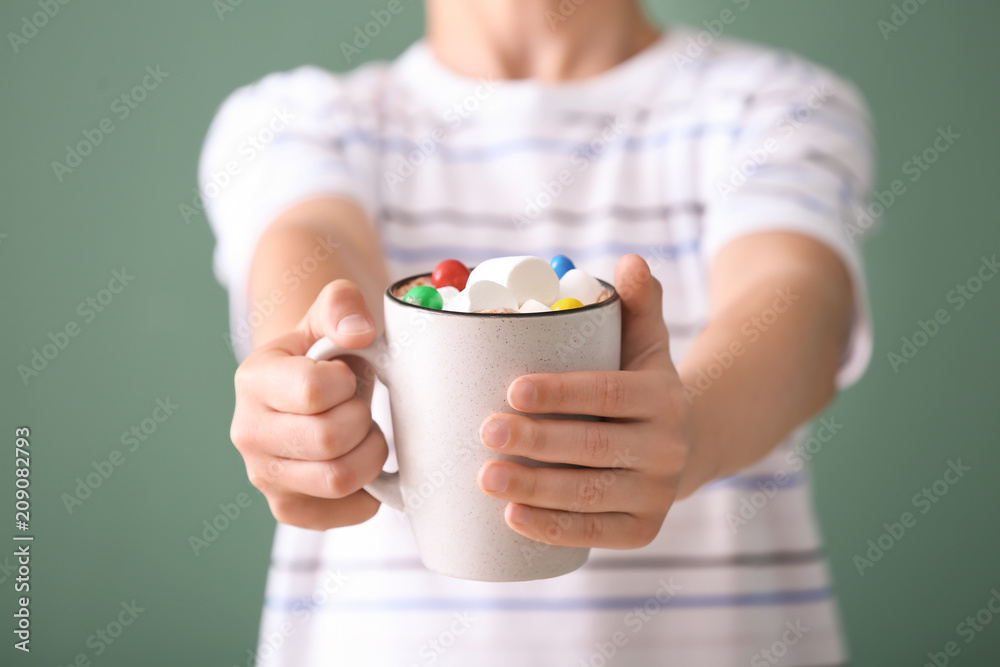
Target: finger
[(312, 513), (608, 530), (295, 384), (622, 394), (341, 314), (570, 489), (321, 437), (643, 329), (593, 444), (336, 478)]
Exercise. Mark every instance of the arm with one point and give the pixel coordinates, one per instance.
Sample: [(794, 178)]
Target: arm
[(662, 440), (306, 436), (787, 370), (336, 232)]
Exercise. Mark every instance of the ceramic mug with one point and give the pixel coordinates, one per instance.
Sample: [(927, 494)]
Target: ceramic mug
[(446, 372)]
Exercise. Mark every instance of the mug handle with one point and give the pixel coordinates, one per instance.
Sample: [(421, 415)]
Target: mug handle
[(384, 488)]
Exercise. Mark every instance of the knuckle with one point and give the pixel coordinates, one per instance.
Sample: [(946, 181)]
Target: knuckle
[(611, 391), (360, 413), (590, 491), (328, 293), (311, 390), (337, 438), (339, 290), (592, 529), (338, 480), (526, 434), (245, 432), (342, 286), (260, 481), (243, 378), (328, 440), (596, 442), (238, 434), (526, 483)]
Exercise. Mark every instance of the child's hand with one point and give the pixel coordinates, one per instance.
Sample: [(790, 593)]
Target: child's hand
[(634, 459), (309, 443)]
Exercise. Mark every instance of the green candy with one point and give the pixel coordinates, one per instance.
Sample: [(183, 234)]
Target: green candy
[(425, 296)]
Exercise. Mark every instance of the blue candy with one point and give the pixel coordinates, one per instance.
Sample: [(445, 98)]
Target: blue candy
[(561, 264)]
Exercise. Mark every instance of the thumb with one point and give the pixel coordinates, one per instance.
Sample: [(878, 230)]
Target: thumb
[(643, 329), (339, 313)]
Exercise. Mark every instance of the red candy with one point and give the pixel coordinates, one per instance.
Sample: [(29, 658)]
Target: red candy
[(450, 272)]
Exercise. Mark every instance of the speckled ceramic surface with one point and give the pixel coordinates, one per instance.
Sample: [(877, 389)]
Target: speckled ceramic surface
[(446, 372)]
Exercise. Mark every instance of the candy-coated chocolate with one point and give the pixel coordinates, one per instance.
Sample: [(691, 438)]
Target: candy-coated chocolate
[(426, 296), (450, 272), (566, 304), (561, 264)]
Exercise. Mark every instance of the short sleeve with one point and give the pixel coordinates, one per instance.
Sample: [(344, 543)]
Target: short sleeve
[(802, 161), (271, 145)]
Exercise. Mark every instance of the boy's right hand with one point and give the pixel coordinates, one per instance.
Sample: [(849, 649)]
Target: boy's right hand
[(308, 441)]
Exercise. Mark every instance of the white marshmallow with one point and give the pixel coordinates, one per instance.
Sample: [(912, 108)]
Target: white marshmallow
[(447, 293), (482, 295), (580, 285), (460, 304), (525, 276), (533, 306)]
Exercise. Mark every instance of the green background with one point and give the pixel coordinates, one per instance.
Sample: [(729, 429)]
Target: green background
[(163, 335)]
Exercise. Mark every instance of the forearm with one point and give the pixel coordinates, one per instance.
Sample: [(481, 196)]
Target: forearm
[(765, 364), (305, 249)]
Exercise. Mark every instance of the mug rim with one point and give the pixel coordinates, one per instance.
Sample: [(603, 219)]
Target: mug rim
[(592, 306)]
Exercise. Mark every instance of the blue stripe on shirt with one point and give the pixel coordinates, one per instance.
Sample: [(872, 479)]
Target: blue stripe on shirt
[(433, 253), (537, 144), (762, 599), (754, 482), (551, 145)]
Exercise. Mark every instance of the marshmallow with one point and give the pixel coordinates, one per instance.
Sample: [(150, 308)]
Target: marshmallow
[(482, 295), (460, 304), (526, 277), (447, 293), (533, 306), (580, 285)]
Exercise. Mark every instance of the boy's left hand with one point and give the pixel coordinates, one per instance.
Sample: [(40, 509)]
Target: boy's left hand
[(634, 459)]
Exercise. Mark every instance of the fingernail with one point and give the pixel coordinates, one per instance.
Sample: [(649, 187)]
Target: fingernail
[(495, 478), (353, 325), (523, 394), (520, 513), (494, 433)]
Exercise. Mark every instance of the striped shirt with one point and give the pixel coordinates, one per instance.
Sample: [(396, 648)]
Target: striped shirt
[(671, 154)]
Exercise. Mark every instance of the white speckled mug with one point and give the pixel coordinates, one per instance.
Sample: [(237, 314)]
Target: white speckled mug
[(447, 372)]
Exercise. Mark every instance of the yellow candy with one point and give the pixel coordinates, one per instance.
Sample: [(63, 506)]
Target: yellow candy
[(566, 304)]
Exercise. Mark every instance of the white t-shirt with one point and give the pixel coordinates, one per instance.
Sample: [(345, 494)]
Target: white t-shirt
[(671, 154)]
